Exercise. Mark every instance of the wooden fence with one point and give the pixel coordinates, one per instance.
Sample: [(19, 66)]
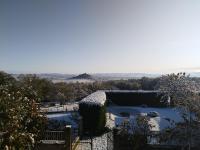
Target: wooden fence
[(53, 135), (69, 138)]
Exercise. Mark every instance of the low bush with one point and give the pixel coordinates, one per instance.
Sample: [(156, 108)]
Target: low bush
[(151, 99)]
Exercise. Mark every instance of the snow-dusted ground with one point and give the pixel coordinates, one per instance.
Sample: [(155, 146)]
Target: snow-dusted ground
[(59, 108), (99, 143), (114, 117)]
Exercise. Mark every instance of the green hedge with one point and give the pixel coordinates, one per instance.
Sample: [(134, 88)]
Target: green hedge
[(94, 118), (151, 99)]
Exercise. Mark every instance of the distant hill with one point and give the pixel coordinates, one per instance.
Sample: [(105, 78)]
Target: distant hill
[(83, 76)]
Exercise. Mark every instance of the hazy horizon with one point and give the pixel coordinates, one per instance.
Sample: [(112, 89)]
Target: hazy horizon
[(193, 73), (108, 36)]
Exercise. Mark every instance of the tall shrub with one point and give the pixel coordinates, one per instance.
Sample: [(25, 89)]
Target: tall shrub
[(93, 111)]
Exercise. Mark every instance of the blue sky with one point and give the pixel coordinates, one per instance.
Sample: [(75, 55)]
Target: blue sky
[(75, 36)]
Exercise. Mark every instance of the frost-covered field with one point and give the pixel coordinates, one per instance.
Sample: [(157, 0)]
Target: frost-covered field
[(74, 81), (60, 108), (114, 117)]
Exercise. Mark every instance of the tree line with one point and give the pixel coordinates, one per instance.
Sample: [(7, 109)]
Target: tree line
[(65, 92), (68, 92)]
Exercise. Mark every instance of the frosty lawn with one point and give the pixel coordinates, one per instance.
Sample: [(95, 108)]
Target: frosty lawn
[(159, 123)]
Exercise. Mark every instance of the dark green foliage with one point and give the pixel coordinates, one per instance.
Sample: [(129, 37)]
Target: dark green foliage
[(6, 78), (20, 118), (44, 88), (132, 84), (94, 118), (151, 99), (76, 91)]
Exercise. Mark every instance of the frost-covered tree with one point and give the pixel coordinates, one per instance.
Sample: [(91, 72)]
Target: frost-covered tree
[(44, 88), (184, 95), (20, 120), (134, 133)]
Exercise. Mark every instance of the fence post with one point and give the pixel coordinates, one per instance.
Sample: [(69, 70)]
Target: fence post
[(68, 137), (115, 139), (80, 130)]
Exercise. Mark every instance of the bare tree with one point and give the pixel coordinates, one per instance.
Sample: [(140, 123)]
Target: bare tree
[(184, 95), (135, 132)]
